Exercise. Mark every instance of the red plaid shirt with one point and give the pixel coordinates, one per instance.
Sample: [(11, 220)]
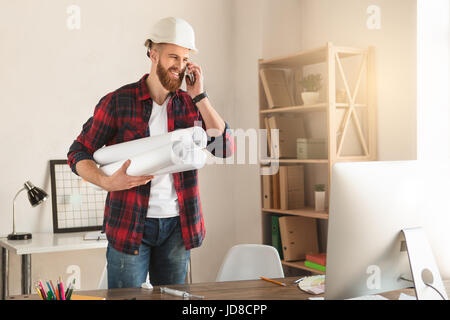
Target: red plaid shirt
[(123, 115)]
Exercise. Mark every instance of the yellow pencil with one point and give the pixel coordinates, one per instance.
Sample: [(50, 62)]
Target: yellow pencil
[(39, 293), (273, 281)]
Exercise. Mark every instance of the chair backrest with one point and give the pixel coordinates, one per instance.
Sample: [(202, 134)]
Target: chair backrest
[(103, 283), (251, 261)]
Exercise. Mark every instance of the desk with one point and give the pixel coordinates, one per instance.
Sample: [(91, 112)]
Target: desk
[(40, 243), (229, 290)]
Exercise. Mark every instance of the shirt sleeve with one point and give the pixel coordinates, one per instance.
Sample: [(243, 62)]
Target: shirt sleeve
[(221, 146), (96, 132)]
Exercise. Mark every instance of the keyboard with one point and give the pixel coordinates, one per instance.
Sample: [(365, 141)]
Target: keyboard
[(369, 297)]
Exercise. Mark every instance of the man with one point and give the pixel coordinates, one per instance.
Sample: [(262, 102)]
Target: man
[(151, 223)]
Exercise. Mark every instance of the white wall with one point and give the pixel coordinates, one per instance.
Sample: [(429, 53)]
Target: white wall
[(433, 80), (53, 77)]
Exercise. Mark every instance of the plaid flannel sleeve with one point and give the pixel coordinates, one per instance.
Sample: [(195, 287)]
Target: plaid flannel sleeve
[(221, 146), (96, 132)]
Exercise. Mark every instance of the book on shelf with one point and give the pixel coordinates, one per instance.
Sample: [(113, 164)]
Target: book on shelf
[(274, 144), (319, 258), (292, 189), (276, 238), (276, 190), (314, 266), (269, 152), (267, 191), (308, 148), (276, 87)]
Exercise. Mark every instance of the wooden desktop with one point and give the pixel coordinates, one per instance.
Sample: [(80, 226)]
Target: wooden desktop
[(229, 290)]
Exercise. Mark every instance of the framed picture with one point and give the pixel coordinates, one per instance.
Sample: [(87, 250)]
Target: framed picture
[(76, 205)]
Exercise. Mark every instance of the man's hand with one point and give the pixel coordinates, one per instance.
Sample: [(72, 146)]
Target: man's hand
[(121, 181), (194, 89)]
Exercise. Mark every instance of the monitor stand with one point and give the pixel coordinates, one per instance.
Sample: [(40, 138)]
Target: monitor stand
[(423, 265)]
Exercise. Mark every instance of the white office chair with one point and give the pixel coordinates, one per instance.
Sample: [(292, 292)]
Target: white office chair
[(250, 261)]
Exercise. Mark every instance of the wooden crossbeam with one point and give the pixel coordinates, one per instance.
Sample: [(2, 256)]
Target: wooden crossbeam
[(350, 112)]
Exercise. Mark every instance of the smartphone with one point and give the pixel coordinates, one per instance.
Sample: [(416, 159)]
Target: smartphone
[(191, 78)]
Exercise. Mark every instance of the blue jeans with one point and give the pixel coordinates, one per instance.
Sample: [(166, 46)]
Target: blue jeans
[(161, 254)]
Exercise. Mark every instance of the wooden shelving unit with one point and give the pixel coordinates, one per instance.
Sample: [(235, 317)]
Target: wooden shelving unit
[(331, 58)]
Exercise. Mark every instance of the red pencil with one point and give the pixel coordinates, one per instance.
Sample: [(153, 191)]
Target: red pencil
[(63, 296), (42, 289)]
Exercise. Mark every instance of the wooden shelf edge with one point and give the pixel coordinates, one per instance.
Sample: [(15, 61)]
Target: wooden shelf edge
[(302, 108), (295, 160), (281, 59), (300, 265), (307, 212)]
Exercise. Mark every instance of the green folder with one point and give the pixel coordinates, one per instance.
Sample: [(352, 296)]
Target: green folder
[(313, 265), (276, 238)]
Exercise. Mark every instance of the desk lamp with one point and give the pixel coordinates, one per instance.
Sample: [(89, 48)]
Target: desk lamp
[(36, 196)]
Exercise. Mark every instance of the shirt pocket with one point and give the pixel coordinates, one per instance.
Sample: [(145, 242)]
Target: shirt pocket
[(131, 131)]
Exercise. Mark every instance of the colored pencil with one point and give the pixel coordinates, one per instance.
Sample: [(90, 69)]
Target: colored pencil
[(63, 295), (42, 289), (273, 281), (39, 292), (53, 287), (51, 290), (71, 289)]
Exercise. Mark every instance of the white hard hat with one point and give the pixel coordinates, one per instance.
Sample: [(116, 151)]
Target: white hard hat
[(173, 30)]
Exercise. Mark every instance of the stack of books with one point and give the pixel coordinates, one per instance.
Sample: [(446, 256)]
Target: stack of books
[(316, 261)]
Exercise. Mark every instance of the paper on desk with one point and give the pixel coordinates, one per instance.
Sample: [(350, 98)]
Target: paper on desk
[(313, 284)]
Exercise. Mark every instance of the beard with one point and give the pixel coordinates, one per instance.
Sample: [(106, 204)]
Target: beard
[(166, 79)]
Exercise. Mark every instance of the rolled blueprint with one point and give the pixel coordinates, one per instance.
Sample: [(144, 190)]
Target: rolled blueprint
[(173, 157), (194, 159), (129, 149), (197, 161)]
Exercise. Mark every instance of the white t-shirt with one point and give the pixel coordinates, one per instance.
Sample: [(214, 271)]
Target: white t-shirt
[(163, 202)]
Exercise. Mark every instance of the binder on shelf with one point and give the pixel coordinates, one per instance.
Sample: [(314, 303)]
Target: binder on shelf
[(298, 237), (290, 128), (274, 145), (292, 188), (276, 88), (266, 124), (267, 191), (276, 190), (276, 238)]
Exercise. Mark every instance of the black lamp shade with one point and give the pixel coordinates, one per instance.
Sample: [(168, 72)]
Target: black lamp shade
[(35, 195)]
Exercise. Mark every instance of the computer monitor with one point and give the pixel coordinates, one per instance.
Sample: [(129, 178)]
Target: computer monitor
[(370, 203)]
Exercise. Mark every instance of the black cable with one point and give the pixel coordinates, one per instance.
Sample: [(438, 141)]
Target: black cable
[(427, 284), (443, 298)]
